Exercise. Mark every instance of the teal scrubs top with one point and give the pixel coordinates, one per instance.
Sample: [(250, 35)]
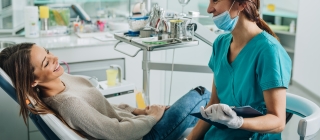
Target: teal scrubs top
[(261, 65)]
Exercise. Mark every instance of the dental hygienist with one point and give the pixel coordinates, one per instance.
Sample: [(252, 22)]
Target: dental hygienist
[(250, 68)]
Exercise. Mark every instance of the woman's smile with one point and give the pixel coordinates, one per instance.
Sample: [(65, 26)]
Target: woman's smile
[(57, 68)]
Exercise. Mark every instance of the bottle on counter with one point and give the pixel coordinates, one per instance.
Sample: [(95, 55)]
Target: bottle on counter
[(31, 25), (44, 15)]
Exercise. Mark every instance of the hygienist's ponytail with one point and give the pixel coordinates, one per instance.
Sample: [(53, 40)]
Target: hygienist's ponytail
[(251, 11), (264, 26)]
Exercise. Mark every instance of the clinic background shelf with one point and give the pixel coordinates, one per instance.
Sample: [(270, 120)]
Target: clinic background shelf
[(288, 49), (285, 33), (279, 12)]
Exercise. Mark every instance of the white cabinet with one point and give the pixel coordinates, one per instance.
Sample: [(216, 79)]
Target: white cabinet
[(95, 68), (288, 41), (93, 61), (132, 66), (11, 15)]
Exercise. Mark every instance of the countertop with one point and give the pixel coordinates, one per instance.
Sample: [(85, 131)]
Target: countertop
[(60, 42)]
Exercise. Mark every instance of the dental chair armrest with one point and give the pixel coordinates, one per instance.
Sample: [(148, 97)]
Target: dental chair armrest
[(310, 123), (309, 126)]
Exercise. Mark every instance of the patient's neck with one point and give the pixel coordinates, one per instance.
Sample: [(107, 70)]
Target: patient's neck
[(52, 88)]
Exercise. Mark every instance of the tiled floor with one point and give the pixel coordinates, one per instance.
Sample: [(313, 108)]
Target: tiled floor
[(290, 132)]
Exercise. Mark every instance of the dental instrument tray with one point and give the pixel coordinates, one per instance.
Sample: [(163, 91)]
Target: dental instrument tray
[(162, 42), (153, 44)]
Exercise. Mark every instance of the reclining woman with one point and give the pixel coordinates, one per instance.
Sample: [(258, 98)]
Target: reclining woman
[(37, 75)]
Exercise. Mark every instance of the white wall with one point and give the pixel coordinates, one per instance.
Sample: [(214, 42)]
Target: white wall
[(175, 5), (306, 69)]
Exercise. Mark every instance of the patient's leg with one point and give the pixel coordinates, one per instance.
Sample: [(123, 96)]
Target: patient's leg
[(177, 118)]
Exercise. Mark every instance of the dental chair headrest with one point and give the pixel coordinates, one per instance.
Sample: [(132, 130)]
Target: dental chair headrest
[(11, 90), (7, 85), (6, 77)]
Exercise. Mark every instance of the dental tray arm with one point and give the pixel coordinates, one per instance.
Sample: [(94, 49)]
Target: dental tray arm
[(134, 55)]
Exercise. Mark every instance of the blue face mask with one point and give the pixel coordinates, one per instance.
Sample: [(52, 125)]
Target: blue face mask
[(224, 21)]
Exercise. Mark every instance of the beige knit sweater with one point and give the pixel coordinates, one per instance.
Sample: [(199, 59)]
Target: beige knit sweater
[(85, 109)]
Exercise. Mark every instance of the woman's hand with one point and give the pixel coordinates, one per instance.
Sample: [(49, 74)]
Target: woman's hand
[(138, 111), (223, 114), (156, 111)]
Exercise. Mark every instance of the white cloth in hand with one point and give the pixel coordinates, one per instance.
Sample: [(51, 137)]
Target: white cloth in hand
[(223, 114)]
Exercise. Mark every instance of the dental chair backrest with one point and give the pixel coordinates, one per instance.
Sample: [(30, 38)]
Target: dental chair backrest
[(49, 125), (310, 113)]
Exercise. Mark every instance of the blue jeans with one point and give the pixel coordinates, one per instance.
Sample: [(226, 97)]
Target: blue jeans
[(177, 118)]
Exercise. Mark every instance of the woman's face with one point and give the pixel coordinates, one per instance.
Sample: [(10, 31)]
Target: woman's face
[(46, 65), (217, 7)]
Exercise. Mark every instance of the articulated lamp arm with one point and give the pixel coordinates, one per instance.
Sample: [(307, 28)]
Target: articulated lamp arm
[(204, 34)]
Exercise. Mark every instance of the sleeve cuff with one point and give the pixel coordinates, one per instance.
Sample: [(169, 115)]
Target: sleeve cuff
[(152, 120), (274, 84)]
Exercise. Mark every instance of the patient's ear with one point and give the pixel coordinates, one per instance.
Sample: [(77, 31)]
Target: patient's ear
[(34, 84)]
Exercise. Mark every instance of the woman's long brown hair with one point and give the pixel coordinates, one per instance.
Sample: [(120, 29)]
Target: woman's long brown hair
[(15, 61), (251, 11)]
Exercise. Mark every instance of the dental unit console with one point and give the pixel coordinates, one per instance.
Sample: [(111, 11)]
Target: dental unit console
[(122, 88), (121, 92)]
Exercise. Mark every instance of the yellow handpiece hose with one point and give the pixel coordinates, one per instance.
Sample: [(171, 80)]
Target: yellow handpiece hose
[(140, 101)]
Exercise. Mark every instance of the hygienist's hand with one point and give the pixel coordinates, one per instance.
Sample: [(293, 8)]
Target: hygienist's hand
[(156, 111), (223, 114)]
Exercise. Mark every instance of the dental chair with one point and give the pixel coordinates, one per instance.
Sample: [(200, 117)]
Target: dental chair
[(49, 125), (52, 128)]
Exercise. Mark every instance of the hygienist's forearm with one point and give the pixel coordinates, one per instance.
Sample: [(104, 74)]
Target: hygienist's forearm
[(264, 124), (199, 130)]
